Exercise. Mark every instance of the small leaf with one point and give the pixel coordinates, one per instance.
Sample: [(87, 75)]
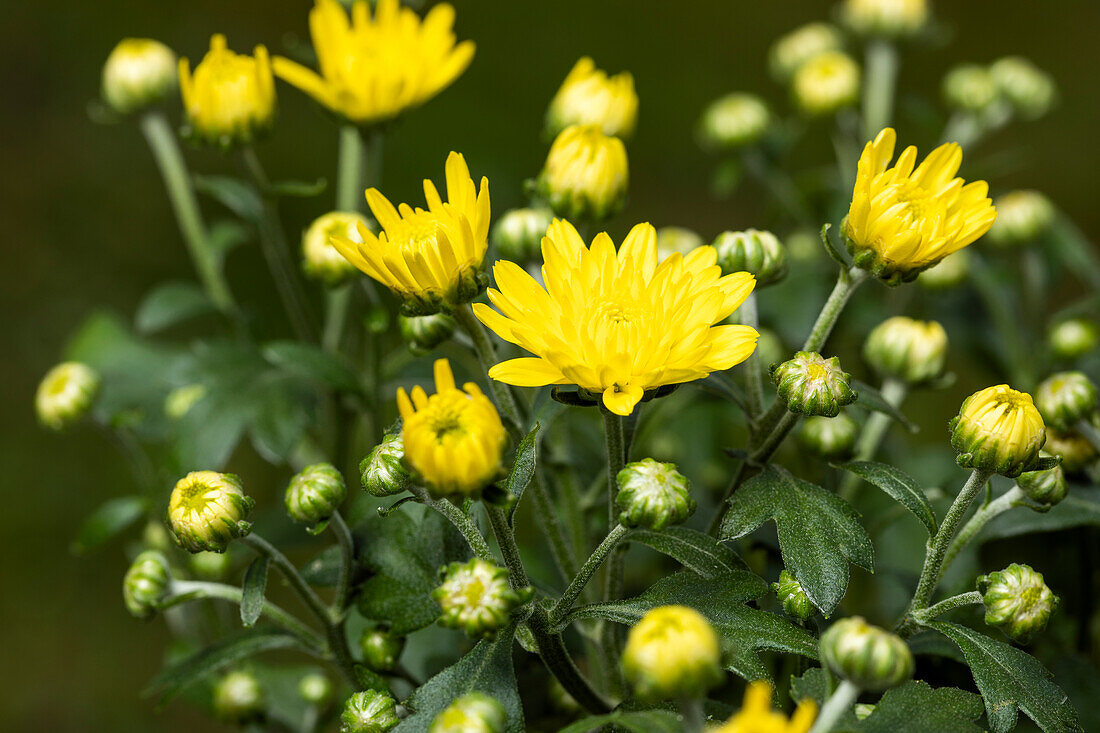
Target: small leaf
[(252, 596), (638, 721), (696, 551), (298, 189), (871, 399), (112, 518), (226, 235), (370, 680), (323, 570), (899, 485), (232, 193), (524, 466), (310, 362), (170, 304), (831, 249)]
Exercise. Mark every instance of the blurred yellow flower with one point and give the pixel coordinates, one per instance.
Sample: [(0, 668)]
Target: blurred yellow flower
[(617, 323), (431, 259), (230, 98), (373, 69), (585, 174), (902, 220), (826, 83), (756, 714), (588, 96)]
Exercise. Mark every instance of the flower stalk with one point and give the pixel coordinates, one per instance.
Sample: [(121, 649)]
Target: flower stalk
[(991, 510), (591, 565), (347, 563), (880, 82), (948, 604), (834, 708), (459, 519)]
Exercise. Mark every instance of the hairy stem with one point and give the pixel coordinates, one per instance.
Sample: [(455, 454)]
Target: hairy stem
[(950, 604), (970, 530), (839, 702), (347, 563), (459, 519), (591, 565), (754, 384)]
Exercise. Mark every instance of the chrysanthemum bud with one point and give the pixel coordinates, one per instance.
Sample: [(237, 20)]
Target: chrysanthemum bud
[(672, 653), (969, 87), (813, 385), (653, 495), (315, 689), (207, 510), (1017, 601), (146, 583), (474, 712), (1073, 338), (998, 429), (867, 656), (380, 648), (950, 272), (383, 471), (734, 121), (585, 175), (139, 73), (180, 400), (908, 350), (770, 347), (588, 96), (754, 251), (826, 83), (795, 601), (66, 394), (321, 261), (238, 698), (209, 565), (315, 493), (1046, 488), (676, 239), (794, 49), (369, 711), (475, 597), (518, 234), (1075, 450), (889, 18), (1030, 89), (829, 438), (1065, 399), (424, 333), (1022, 217)]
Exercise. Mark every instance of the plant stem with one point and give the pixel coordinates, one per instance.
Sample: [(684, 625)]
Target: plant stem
[(970, 530), (347, 563), (834, 708), (613, 575), (693, 714), (949, 604), (173, 169), (880, 80), (554, 529), (894, 392), (459, 519), (754, 385), (616, 459), (591, 565)]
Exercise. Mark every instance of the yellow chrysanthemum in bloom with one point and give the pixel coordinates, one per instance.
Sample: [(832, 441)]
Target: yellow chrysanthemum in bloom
[(756, 714), (431, 259), (373, 69), (902, 220), (588, 96), (230, 98), (617, 323), (453, 439)]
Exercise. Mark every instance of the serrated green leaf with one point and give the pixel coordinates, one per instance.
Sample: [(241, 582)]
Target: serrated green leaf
[(898, 485), (819, 533), (110, 519), (169, 304), (696, 551), (252, 591), (1080, 508), (1011, 680), (311, 362), (232, 193), (871, 399), (638, 721), (916, 707)]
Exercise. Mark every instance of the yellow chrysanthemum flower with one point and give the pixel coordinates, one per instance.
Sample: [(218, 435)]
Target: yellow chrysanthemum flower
[(585, 174), (588, 96), (903, 221), (230, 98), (617, 323), (756, 714), (454, 439), (373, 69), (998, 429), (431, 259)]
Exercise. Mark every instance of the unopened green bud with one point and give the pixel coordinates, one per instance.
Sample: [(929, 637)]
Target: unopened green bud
[(795, 601), (1073, 338), (1030, 89), (209, 565), (315, 689), (238, 698), (672, 653), (998, 429), (475, 597), (146, 583), (424, 333), (139, 73), (887, 18), (518, 234), (207, 510), (867, 656), (1022, 217), (66, 394), (826, 84), (794, 49), (734, 121), (969, 87), (180, 400), (829, 438), (813, 385), (757, 252), (321, 260), (474, 712), (770, 347), (1075, 450), (653, 495), (676, 239), (951, 272), (383, 470), (1017, 601), (908, 350), (1046, 488), (380, 648), (314, 494), (369, 711), (1065, 399)]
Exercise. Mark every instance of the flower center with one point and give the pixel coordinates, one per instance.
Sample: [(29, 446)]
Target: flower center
[(917, 200), (417, 232), (816, 372), (193, 497), (615, 313), (445, 416)]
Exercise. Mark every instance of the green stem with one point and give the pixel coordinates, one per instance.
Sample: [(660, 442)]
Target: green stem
[(487, 357), (754, 383), (616, 459), (982, 517), (950, 604), (779, 185), (509, 550), (833, 710), (162, 141), (460, 520), (695, 718), (347, 563), (894, 392), (880, 81), (1001, 308), (613, 576), (591, 565)]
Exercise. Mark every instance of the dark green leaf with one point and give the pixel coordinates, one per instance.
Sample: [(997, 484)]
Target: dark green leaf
[(1081, 507), (226, 235), (310, 362), (298, 189), (698, 552), (872, 399), (232, 193), (1011, 680), (524, 466), (916, 707), (638, 721), (899, 485), (108, 521), (815, 684), (170, 304), (323, 570), (252, 591), (819, 533)]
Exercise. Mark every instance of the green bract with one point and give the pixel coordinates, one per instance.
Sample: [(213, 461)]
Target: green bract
[(315, 493), (146, 583), (1017, 601), (795, 601), (368, 712), (813, 385), (653, 495), (476, 598)]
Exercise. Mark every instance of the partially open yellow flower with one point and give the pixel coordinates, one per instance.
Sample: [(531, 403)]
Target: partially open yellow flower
[(903, 221), (431, 259), (617, 323), (588, 96), (999, 430), (230, 98), (585, 174), (373, 69), (454, 439), (756, 714)]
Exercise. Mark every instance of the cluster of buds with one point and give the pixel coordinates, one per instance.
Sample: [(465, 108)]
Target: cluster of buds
[(653, 495), (424, 333), (140, 73), (383, 470), (207, 510), (320, 260), (1017, 601), (757, 252), (867, 656), (146, 583), (585, 175), (314, 494), (734, 121), (66, 394), (1022, 218), (518, 234), (829, 438), (475, 597), (793, 598), (910, 351), (1073, 338), (369, 711), (999, 430), (474, 712), (1065, 399), (812, 385), (380, 648), (1043, 488), (239, 698), (672, 653), (1029, 89)]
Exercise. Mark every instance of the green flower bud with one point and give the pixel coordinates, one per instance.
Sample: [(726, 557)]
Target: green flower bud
[(813, 385), (424, 333), (752, 251), (383, 470), (829, 438), (475, 597), (1065, 399), (1046, 488), (951, 272), (321, 261), (66, 394), (734, 121), (1030, 89), (970, 88), (867, 656), (1073, 338), (207, 510), (1022, 218), (380, 648), (369, 711), (586, 174), (314, 494), (180, 400), (315, 689), (472, 713), (209, 565), (139, 73), (794, 49), (518, 234), (676, 239), (770, 347), (826, 84), (672, 653), (795, 601), (888, 18), (907, 350), (653, 495), (238, 698), (146, 583), (998, 429), (1017, 601), (1075, 450)]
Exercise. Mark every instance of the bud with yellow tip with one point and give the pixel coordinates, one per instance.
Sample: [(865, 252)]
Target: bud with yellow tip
[(1065, 399), (1073, 338), (585, 175), (672, 653), (826, 84), (207, 509), (588, 96), (474, 712), (1017, 601), (314, 494), (970, 87), (1022, 218), (810, 384), (907, 350), (369, 711), (888, 18), (139, 74), (867, 656), (998, 430), (477, 598), (321, 261), (653, 495), (794, 49), (66, 394)]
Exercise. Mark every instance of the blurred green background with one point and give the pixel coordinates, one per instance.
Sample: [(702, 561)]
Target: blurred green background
[(86, 226)]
